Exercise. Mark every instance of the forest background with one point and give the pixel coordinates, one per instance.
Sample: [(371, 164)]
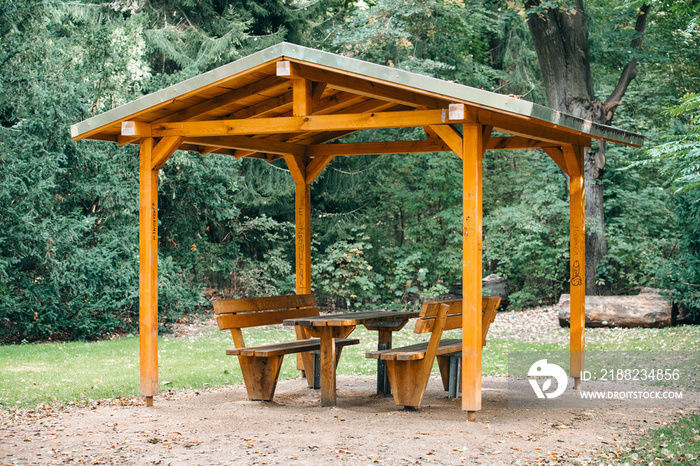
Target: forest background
[(69, 216)]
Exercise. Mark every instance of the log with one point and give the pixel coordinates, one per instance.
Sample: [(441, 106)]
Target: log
[(497, 286), (648, 309)]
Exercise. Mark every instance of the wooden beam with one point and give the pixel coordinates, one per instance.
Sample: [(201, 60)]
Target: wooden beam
[(471, 267), (517, 143), (573, 158), (163, 150), (317, 93), (557, 155), (302, 202), (302, 124), (486, 131), (148, 271), (297, 167), (356, 85), (271, 85), (270, 107), (302, 97), (375, 148), (316, 166), (450, 136), (246, 143), (530, 130), (136, 129), (577, 262), (124, 140)]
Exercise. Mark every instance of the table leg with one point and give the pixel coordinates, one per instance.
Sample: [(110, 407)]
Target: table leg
[(383, 387), (327, 366)]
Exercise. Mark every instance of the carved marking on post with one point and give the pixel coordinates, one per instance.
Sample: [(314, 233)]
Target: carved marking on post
[(154, 222), (576, 274)]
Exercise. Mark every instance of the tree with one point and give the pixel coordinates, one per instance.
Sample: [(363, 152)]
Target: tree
[(560, 37)]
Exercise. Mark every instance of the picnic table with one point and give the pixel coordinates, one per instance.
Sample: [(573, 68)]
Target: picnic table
[(331, 326)]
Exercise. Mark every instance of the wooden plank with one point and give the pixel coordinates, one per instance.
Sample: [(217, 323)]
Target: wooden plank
[(256, 319), (270, 107), (454, 318), (471, 267), (277, 349), (301, 124), (416, 351), (290, 347), (431, 308), (148, 271), (227, 306), (577, 266), (270, 84), (353, 318)]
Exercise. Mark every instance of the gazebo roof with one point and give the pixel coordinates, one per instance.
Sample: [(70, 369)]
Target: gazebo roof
[(343, 91)]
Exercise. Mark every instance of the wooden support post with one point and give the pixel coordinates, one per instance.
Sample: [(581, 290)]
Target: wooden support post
[(573, 156), (302, 201), (148, 272), (472, 153)]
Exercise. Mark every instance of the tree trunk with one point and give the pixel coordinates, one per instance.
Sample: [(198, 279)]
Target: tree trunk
[(561, 42), (643, 310)]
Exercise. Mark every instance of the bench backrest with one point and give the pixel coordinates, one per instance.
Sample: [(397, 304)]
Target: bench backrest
[(426, 320), (256, 312), (235, 314)]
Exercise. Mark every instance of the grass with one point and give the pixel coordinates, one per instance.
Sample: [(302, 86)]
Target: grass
[(59, 373), (677, 443)]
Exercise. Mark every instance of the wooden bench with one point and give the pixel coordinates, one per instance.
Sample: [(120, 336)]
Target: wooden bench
[(261, 364), (409, 367)]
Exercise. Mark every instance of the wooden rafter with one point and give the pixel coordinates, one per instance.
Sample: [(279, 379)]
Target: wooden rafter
[(357, 86)]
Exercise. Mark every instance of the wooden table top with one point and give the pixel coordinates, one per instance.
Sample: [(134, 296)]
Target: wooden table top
[(352, 318)]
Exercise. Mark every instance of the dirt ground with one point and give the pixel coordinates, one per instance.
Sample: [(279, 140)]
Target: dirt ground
[(220, 426)]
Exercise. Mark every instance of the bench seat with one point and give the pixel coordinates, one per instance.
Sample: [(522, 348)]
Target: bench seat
[(417, 351), (409, 367), (290, 347)]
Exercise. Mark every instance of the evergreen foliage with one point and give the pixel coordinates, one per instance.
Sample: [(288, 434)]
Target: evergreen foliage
[(386, 228)]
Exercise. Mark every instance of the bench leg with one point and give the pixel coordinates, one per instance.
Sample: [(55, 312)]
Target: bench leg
[(307, 363), (408, 382), (444, 365), (260, 375)]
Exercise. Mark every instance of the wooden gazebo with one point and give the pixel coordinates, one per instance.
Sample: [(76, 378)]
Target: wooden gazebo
[(290, 102)]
